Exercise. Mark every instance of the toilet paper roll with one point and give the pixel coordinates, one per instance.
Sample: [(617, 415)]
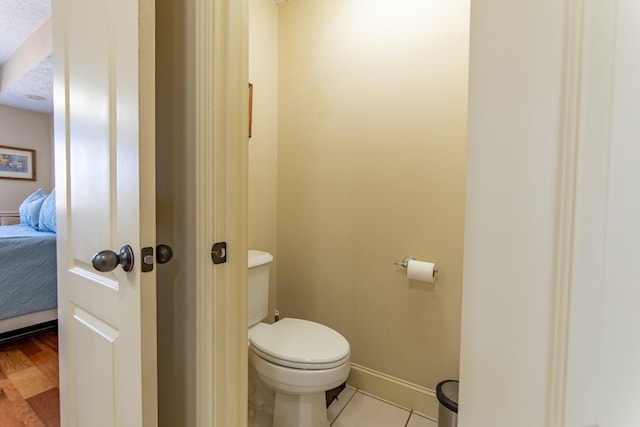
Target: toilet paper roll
[(421, 270)]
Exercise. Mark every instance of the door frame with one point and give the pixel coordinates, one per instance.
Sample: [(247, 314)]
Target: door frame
[(221, 45), (221, 87), (531, 334), (221, 129)]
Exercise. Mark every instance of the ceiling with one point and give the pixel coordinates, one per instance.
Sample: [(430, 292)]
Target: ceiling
[(19, 19)]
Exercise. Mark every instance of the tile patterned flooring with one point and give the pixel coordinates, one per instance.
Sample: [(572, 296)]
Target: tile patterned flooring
[(354, 408), (29, 392)]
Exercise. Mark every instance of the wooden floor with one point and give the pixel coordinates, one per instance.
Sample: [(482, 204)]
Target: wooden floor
[(29, 394)]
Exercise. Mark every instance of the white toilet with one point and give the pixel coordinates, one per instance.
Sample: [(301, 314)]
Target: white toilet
[(295, 360)]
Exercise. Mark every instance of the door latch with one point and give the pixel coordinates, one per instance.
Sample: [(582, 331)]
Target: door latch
[(164, 253)]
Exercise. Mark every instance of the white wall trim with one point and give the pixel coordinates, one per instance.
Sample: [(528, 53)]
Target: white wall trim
[(396, 390), (566, 200), (29, 319)]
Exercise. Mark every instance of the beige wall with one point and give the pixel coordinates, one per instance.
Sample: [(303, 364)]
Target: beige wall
[(371, 168), (26, 129), (263, 144)]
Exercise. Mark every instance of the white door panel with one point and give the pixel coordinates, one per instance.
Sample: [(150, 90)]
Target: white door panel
[(105, 193), (92, 344)]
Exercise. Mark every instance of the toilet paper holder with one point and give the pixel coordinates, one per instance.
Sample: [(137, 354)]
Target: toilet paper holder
[(405, 263)]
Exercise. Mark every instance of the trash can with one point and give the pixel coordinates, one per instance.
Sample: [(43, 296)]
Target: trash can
[(447, 394)]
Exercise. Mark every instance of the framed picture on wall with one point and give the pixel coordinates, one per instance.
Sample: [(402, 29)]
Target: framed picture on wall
[(17, 163)]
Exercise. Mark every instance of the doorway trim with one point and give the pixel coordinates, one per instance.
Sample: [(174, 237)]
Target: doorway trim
[(569, 140), (221, 42)]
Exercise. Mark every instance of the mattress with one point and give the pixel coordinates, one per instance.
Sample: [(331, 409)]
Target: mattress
[(27, 270)]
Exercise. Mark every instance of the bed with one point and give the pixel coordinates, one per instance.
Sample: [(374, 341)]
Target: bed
[(28, 282)]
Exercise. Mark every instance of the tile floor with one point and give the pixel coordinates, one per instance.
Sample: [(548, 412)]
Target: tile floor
[(354, 408)]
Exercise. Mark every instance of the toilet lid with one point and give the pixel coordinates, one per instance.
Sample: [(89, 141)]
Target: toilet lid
[(300, 344)]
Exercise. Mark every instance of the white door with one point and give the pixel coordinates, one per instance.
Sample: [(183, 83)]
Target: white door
[(105, 180)]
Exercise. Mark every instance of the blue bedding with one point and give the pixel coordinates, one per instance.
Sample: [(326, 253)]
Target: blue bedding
[(27, 270)]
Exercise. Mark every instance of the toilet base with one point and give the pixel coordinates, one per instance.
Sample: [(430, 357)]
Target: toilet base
[(306, 410)]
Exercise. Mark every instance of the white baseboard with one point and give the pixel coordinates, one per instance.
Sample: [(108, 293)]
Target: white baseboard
[(411, 396), (28, 319)]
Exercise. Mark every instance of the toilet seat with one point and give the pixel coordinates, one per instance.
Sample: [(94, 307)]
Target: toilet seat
[(300, 344)]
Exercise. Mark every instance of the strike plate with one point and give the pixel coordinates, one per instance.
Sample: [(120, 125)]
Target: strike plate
[(147, 259), (219, 253)]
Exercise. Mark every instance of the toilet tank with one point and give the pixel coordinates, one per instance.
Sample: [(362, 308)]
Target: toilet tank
[(259, 263)]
